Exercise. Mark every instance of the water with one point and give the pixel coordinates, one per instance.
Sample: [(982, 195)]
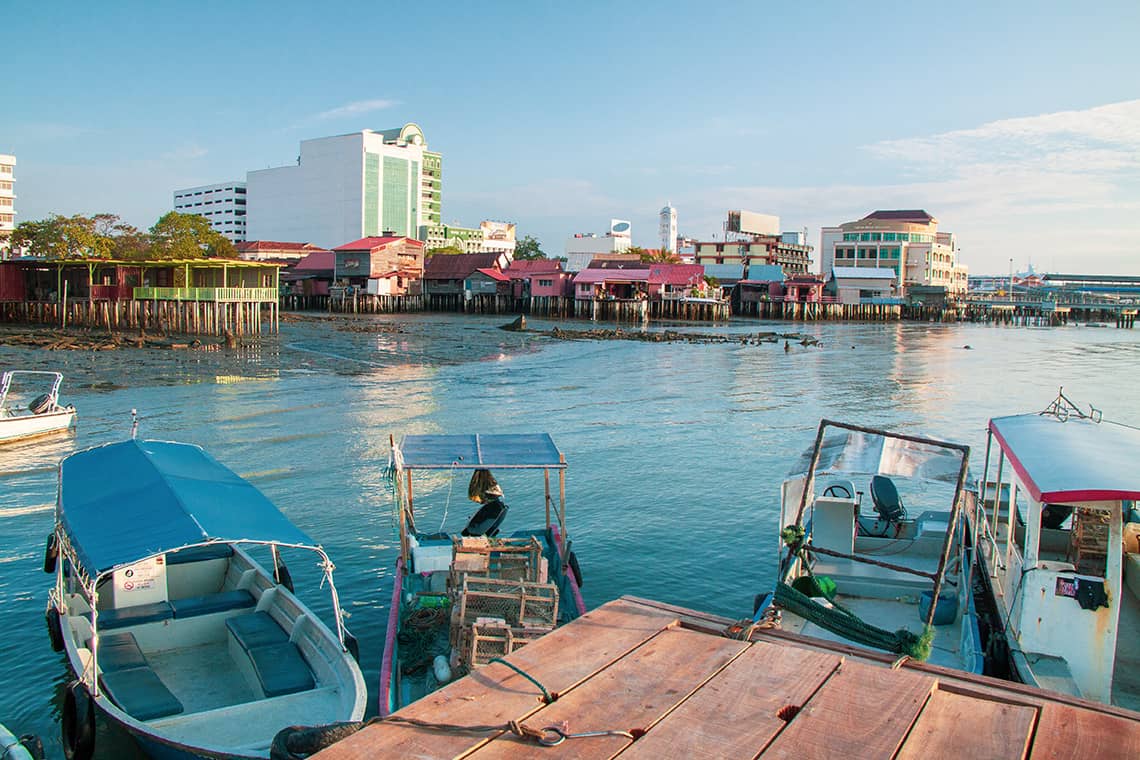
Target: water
[(675, 450)]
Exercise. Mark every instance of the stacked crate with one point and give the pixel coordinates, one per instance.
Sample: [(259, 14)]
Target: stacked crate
[(1088, 541), (501, 600)]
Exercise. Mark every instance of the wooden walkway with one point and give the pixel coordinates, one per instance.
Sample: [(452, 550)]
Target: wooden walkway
[(669, 677)]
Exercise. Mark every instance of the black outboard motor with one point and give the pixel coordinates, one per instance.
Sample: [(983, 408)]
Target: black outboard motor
[(487, 520), (40, 404), (887, 501)]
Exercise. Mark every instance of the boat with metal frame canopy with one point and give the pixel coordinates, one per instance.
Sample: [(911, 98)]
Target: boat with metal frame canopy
[(870, 576), (174, 631), (42, 415), (463, 598), (1064, 563)]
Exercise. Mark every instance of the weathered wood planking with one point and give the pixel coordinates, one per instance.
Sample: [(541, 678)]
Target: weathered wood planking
[(495, 694), (861, 711), (633, 693), (1065, 732), (736, 713), (966, 726)]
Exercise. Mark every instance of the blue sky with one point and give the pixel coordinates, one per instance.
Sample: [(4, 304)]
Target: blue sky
[(1017, 124)]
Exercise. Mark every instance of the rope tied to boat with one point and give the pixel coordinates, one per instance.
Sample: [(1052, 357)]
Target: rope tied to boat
[(546, 697)]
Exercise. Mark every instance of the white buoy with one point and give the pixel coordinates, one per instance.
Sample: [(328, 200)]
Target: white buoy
[(442, 668)]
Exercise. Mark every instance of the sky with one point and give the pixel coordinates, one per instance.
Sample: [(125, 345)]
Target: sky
[(1016, 124)]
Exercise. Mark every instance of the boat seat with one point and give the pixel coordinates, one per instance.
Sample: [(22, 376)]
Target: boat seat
[(141, 693), (122, 617), (204, 605), (280, 669), (256, 630), (277, 662), (200, 554), (119, 651)]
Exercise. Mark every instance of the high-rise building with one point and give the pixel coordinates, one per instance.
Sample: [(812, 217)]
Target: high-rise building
[(347, 187), (668, 228), (223, 205), (7, 202), (905, 240)]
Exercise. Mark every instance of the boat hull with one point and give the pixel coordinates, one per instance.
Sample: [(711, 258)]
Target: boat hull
[(34, 425)]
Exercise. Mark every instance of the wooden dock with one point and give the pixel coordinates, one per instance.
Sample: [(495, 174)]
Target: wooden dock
[(671, 679)]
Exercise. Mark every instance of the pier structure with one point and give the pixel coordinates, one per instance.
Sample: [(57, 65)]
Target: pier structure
[(641, 679)]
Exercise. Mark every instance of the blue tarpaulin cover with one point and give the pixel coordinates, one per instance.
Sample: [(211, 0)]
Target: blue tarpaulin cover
[(126, 501), (492, 452)]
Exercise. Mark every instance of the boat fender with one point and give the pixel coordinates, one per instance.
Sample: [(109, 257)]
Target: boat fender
[(33, 745), (572, 561), (441, 668), (55, 631), (283, 577), (352, 645), (77, 726), (299, 742), (40, 404), (51, 553)]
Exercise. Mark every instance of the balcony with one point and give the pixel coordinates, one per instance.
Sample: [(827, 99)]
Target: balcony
[(219, 295)]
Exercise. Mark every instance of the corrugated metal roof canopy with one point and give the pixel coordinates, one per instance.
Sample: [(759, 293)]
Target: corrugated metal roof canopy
[(123, 502), (472, 452), (1074, 460)]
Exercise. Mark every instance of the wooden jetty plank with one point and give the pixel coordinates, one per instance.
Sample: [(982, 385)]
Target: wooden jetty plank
[(958, 725), (1065, 733), (495, 694), (632, 694), (736, 713), (861, 711)]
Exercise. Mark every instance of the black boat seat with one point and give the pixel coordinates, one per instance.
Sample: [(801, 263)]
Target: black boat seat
[(140, 693), (487, 520), (119, 651), (200, 554), (204, 605), (137, 615), (886, 497), (280, 669), (277, 662)]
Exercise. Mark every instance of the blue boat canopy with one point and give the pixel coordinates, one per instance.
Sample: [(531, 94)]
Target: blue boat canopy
[(1074, 460), (123, 502), (473, 452)]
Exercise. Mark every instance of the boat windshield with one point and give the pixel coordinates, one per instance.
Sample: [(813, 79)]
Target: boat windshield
[(851, 451)]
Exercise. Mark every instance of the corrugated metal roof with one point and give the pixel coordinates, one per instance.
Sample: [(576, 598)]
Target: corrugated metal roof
[(371, 243), (765, 273), (593, 276), (676, 274), (494, 274), (457, 266), (317, 260)]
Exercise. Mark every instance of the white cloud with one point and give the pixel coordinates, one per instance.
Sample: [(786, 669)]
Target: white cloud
[(356, 108), (187, 152)]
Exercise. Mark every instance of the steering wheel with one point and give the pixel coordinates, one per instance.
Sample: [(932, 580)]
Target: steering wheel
[(837, 489)]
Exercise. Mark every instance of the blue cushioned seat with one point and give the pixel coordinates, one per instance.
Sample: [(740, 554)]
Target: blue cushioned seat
[(119, 651), (256, 630), (141, 693), (281, 669), (204, 605), (200, 554), (137, 615)]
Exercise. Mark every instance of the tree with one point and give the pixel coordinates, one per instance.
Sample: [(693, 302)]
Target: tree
[(188, 236), (447, 250), (65, 237), (663, 256), (529, 249)]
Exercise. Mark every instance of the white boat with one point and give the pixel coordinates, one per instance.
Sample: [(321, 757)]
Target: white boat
[(1064, 564), (174, 631), (872, 532), (43, 415)]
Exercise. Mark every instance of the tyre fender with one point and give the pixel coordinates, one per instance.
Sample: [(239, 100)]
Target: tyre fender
[(77, 727), (55, 629)]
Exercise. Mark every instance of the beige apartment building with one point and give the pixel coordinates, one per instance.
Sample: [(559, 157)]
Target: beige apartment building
[(7, 202), (906, 241)]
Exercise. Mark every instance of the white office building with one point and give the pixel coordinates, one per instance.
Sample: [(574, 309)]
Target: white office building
[(348, 187), (7, 202), (584, 246), (222, 204)]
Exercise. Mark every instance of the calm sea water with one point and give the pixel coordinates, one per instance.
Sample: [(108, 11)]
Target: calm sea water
[(675, 450)]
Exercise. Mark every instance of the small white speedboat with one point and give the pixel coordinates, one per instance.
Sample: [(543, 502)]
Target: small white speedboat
[(43, 415), (174, 631)]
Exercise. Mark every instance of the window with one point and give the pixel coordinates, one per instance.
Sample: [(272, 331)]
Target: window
[(546, 283), (888, 236), (876, 236)]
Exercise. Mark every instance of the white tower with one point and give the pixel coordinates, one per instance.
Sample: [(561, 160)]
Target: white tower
[(668, 228)]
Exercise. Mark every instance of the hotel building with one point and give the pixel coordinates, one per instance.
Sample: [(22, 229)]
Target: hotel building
[(223, 205), (907, 242), (347, 187), (7, 202)]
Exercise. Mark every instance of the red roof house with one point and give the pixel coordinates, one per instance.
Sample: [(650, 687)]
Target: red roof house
[(381, 265)]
